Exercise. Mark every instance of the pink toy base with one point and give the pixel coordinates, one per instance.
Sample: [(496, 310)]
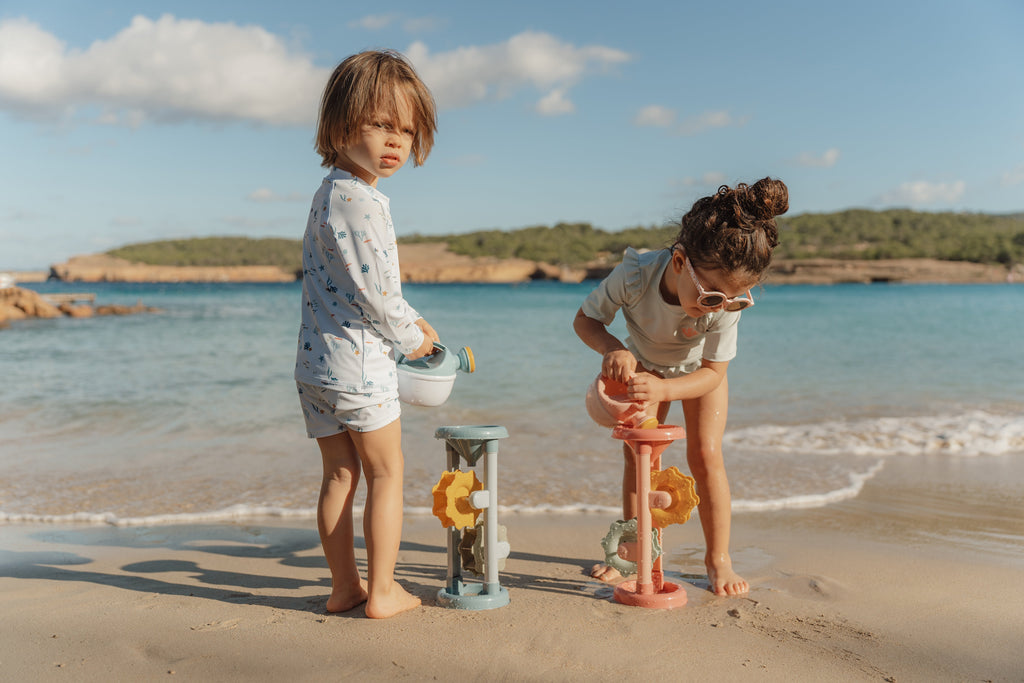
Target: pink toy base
[(670, 596)]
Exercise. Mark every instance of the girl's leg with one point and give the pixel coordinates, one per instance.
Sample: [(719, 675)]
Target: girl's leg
[(705, 425), (380, 452), (334, 521)]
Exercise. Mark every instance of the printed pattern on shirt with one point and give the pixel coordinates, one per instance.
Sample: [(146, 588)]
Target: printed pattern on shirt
[(353, 312)]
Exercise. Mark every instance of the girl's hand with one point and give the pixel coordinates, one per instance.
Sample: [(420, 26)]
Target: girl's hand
[(646, 388), (619, 365)]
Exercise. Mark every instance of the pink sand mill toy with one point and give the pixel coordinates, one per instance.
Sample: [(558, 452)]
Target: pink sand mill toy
[(663, 497)]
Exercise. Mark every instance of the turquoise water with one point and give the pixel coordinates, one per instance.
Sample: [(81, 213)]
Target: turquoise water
[(191, 413)]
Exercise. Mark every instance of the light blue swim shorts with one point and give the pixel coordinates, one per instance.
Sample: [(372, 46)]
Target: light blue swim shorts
[(328, 412)]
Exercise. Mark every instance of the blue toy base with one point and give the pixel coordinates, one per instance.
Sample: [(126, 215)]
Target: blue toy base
[(472, 597)]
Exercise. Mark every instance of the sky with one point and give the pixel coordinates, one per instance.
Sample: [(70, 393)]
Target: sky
[(125, 122)]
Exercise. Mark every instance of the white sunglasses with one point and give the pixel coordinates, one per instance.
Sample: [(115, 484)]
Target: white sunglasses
[(712, 299)]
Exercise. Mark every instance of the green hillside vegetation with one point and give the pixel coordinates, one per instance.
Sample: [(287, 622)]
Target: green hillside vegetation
[(900, 233), (855, 234), (216, 251), (565, 243)]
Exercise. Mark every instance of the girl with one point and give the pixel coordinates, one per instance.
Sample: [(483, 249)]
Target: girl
[(682, 306), (374, 113)]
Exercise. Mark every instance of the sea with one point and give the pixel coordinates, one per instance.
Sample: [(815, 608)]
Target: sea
[(190, 414)]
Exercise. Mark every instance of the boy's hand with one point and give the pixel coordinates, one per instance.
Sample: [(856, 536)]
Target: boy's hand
[(429, 337), (428, 331), (619, 365), (647, 388)]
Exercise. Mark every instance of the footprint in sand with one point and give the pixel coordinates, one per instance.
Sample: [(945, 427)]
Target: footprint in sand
[(808, 587), (218, 625)]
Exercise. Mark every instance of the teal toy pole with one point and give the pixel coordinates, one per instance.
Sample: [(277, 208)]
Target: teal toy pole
[(492, 587)]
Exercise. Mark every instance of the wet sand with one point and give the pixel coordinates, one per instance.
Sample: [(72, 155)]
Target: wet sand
[(915, 579)]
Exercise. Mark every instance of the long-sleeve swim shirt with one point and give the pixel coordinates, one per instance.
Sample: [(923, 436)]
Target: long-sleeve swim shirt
[(353, 312)]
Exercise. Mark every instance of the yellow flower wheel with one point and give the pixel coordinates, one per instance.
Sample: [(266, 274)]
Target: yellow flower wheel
[(681, 489), (451, 499)]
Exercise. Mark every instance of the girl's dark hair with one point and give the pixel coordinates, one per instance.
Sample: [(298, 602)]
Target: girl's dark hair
[(734, 229), (365, 85)]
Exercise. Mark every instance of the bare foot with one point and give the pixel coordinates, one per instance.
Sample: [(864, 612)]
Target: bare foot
[(396, 600), (603, 572), (725, 581), (344, 599)]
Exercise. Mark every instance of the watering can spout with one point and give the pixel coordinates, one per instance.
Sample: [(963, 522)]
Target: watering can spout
[(466, 361)]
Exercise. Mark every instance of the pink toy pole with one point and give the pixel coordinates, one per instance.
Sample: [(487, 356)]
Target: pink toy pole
[(645, 582), (650, 589)]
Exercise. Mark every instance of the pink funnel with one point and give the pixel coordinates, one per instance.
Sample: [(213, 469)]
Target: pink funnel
[(609, 406)]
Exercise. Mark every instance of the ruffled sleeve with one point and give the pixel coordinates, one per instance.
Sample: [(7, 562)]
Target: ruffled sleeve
[(622, 288)]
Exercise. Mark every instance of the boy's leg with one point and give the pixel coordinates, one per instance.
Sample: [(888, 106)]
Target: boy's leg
[(334, 521), (380, 452), (705, 425)]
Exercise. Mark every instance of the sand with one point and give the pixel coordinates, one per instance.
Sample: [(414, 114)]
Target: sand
[(917, 579)]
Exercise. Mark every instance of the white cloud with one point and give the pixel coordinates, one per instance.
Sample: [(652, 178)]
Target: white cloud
[(826, 160), (31, 63), (656, 116), (379, 22), (172, 69), (262, 194), (375, 22), (555, 103), (922, 192), (166, 70), (663, 117), (707, 121), (708, 179), (529, 60)]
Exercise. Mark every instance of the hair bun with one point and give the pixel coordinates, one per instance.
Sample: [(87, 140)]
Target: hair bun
[(767, 198)]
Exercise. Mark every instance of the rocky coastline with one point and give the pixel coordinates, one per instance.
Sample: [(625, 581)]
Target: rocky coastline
[(18, 303), (911, 270), (433, 263), (105, 268)]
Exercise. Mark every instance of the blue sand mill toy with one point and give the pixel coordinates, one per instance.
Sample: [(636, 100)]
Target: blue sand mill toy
[(466, 508), (459, 500)]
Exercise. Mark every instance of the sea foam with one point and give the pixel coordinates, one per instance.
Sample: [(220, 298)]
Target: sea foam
[(974, 433)]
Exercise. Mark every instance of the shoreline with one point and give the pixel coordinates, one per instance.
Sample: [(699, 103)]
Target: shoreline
[(910, 580), (433, 263)]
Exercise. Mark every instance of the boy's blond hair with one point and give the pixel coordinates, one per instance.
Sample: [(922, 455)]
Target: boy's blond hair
[(363, 87)]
